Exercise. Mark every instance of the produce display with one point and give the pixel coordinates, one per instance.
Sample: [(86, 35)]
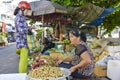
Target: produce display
[(52, 49), (58, 55), (37, 49), (66, 41), (45, 72), (45, 67), (41, 60)]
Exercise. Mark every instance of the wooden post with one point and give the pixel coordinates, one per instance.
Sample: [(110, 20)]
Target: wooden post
[(61, 32), (57, 31), (42, 26)]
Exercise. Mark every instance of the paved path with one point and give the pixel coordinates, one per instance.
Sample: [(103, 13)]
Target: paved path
[(8, 59)]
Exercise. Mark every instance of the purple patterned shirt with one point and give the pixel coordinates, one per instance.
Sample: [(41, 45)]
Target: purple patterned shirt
[(21, 31)]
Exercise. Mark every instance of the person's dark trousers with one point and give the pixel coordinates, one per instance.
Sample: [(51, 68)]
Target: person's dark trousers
[(74, 74), (45, 48), (48, 46), (51, 45)]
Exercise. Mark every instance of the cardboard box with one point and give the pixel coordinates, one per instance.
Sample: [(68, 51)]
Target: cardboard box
[(100, 71)]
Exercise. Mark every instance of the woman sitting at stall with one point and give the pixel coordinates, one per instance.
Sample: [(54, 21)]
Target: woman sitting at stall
[(47, 45), (81, 63)]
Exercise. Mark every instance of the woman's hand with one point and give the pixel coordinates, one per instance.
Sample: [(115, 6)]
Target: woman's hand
[(59, 61), (72, 69)]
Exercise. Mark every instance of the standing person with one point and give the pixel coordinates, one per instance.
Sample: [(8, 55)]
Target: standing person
[(21, 35), (81, 62)]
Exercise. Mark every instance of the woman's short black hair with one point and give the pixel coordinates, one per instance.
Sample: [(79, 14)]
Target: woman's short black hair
[(16, 10), (83, 36), (76, 32)]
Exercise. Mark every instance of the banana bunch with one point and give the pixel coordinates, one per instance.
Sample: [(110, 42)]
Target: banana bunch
[(37, 49), (66, 41)]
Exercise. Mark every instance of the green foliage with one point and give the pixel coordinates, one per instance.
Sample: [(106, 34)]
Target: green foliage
[(32, 22), (3, 34), (39, 33), (50, 30), (66, 41), (35, 50), (112, 21), (72, 3)]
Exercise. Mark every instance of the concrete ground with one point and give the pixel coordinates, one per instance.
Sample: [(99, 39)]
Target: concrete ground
[(8, 59)]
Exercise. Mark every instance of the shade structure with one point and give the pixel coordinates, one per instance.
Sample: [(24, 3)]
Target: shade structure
[(46, 7), (91, 14), (47, 10), (100, 18), (87, 13)]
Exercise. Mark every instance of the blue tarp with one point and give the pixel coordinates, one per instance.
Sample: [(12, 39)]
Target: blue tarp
[(100, 18)]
